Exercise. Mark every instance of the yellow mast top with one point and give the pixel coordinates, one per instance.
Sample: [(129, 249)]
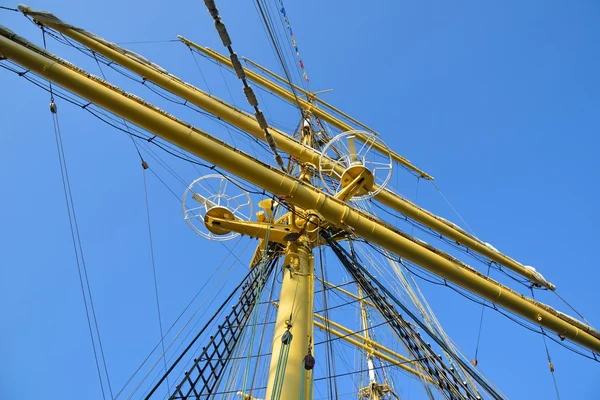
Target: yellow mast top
[(307, 105), (247, 122)]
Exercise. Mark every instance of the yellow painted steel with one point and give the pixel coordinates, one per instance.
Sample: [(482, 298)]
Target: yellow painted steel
[(364, 317), (194, 95), (393, 358), (295, 312), (455, 233), (386, 197), (367, 341), (347, 293), (287, 144), (306, 105), (296, 192), (260, 230)]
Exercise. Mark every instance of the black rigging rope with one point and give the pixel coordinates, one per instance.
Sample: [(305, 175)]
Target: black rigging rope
[(160, 323), (550, 364), (102, 116), (395, 364), (61, 38), (571, 307), (352, 265), (292, 46), (77, 246), (144, 168), (246, 283), (525, 324), (152, 258), (199, 334), (172, 326), (278, 52), (263, 335), (480, 325), (416, 201), (199, 69), (465, 250), (165, 146), (76, 243), (241, 74), (332, 386)]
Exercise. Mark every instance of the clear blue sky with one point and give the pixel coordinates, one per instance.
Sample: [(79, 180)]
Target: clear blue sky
[(498, 100)]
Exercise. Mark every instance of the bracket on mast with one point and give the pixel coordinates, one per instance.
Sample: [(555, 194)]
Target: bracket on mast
[(279, 233), (224, 217), (366, 170), (215, 197)]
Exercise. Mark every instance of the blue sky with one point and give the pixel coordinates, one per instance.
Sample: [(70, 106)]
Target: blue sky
[(497, 100)]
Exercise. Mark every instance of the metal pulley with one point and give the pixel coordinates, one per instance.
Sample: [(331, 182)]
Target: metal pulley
[(309, 362), (286, 338)]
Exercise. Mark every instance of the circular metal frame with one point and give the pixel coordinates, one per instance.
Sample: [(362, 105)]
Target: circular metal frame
[(346, 152), (214, 192)]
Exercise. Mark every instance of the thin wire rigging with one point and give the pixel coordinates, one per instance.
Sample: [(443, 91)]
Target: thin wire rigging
[(277, 48), (77, 245), (151, 242)]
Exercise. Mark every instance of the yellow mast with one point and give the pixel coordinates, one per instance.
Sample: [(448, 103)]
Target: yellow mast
[(284, 142), (296, 192), (295, 320)]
